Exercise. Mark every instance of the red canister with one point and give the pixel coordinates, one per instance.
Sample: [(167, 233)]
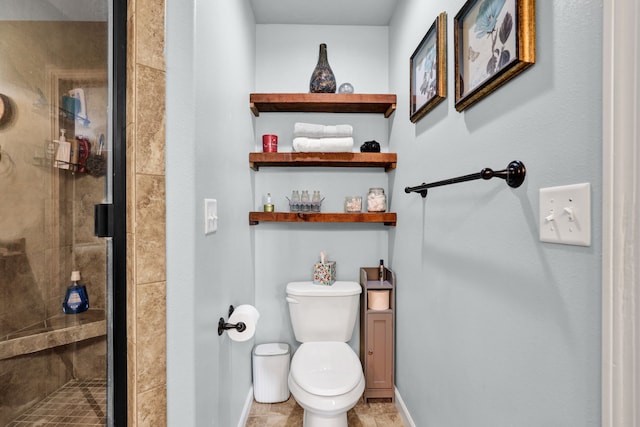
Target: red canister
[(269, 143)]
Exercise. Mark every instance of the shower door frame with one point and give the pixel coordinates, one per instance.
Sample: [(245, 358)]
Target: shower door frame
[(117, 398), (117, 401)]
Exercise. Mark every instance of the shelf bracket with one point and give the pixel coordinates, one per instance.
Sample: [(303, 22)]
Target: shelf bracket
[(389, 111), (254, 109)]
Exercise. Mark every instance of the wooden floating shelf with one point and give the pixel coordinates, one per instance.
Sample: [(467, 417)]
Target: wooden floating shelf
[(387, 218), (385, 160), (322, 103)]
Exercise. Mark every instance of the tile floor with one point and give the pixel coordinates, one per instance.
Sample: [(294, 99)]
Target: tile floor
[(77, 403), (83, 403), (375, 413)]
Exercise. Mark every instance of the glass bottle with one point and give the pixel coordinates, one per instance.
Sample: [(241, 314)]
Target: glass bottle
[(295, 201), (315, 199), (268, 203), (304, 201)]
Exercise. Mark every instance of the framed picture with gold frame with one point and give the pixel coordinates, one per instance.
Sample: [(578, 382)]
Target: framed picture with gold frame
[(495, 40), (428, 68)]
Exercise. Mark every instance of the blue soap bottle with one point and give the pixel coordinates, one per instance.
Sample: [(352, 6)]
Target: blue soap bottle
[(76, 299)]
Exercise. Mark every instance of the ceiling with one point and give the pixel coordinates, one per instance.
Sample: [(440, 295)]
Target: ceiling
[(306, 12), (325, 12)]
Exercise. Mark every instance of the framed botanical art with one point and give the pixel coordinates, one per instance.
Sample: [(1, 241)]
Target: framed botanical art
[(494, 42), (428, 68)]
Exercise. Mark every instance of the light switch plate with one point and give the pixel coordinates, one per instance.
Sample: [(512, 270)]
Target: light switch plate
[(210, 216), (565, 214)]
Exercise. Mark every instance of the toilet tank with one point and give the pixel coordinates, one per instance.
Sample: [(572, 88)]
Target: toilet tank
[(323, 313)]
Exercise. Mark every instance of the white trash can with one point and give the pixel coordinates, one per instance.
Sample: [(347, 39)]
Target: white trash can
[(270, 372)]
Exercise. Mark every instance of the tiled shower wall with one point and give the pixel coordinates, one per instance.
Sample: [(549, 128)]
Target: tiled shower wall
[(146, 277), (45, 214)]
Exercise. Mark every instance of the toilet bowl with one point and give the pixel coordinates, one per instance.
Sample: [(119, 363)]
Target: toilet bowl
[(326, 379), (325, 376)]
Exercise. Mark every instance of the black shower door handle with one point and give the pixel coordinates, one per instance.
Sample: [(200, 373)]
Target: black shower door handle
[(103, 220)]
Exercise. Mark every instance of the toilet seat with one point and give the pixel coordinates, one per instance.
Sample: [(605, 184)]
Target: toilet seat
[(326, 368)]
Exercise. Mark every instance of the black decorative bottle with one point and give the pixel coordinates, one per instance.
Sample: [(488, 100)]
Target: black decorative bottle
[(322, 79)]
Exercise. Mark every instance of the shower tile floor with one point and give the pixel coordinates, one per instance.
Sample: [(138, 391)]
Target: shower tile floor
[(77, 403), (375, 413)]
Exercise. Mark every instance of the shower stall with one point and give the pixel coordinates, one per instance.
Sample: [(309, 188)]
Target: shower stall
[(61, 188)]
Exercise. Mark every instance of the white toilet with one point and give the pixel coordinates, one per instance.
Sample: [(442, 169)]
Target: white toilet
[(326, 376)]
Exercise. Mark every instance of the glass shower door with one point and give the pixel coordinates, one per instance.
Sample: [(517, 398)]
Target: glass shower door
[(56, 145)]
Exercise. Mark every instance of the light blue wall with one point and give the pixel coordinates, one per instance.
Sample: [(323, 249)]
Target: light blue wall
[(495, 328), (181, 215), (210, 71), (285, 58)]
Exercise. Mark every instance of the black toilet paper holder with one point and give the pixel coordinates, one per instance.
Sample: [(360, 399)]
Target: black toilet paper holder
[(223, 326)]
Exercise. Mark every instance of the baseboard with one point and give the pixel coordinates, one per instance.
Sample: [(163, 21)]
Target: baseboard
[(403, 411), (244, 416)]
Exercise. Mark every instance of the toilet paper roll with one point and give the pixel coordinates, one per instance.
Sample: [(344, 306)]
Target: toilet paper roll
[(248, 315)]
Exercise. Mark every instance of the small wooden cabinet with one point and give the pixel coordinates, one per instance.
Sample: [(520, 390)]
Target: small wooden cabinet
[(377, 326)]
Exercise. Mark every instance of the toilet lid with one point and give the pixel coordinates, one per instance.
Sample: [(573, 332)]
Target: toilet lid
[(338, 289), (326, 368)]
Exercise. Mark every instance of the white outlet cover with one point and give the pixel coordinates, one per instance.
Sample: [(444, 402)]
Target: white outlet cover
[(210, 216), (565, 214)]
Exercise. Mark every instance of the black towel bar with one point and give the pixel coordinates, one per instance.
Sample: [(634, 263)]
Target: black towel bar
[(514, 176)]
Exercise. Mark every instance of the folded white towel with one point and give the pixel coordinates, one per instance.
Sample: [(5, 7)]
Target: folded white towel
[(323, 145), (311, 130)]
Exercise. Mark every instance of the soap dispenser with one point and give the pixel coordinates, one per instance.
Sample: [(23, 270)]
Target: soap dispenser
[(76, 299), (268, 203)]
